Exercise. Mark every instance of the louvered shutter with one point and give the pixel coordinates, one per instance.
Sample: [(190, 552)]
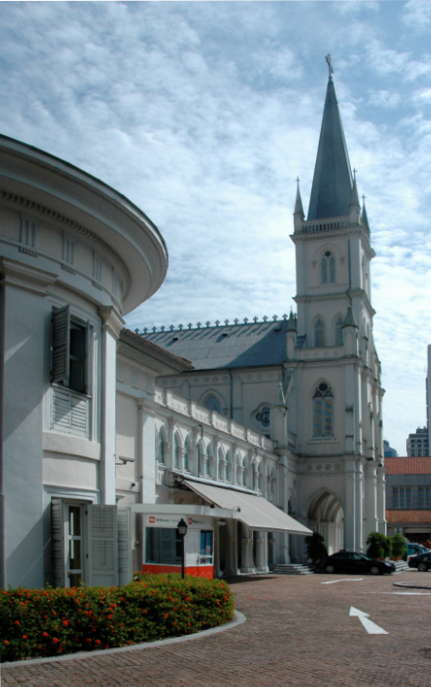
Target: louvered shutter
[(125, 534), (102, 545), (60, 345), (58, 547)]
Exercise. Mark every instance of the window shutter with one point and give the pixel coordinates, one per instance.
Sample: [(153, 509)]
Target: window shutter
[(102, 545), (60, 345), (125, 534), (58, 542)]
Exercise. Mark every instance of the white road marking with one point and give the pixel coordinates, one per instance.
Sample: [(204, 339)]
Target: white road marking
[(344, 579), (367, 624)]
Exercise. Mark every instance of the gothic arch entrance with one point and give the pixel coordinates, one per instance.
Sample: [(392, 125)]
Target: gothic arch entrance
[(326, 516)]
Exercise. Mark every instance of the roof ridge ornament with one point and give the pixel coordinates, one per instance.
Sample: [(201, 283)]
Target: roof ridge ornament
[(328, 59)]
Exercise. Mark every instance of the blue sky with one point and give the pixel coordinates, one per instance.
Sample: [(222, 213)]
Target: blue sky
[(204, 114)]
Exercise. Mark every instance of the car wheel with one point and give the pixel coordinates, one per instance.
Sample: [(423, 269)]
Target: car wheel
[(329, 569), (374, 570), (422, 567)]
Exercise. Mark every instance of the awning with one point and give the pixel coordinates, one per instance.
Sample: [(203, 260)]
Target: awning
[(254, 511)]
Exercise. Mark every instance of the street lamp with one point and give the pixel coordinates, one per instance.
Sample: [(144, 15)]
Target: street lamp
[(181, 533)]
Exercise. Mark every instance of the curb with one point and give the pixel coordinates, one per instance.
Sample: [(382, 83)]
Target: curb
[(406, 585), (239, 618)]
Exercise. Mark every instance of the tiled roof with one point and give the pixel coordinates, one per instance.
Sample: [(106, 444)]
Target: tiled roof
[(414, 516), (408, 466), (248, 344)]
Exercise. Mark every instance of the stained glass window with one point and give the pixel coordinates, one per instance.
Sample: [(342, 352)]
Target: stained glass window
[(323, 411)]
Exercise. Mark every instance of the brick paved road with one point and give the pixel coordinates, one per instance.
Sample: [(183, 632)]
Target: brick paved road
[(298, 632)]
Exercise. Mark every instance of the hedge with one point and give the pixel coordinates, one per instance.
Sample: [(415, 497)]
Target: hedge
[(49, 622)]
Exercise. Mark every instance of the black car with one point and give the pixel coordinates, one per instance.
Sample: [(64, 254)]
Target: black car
[(422, 561), (352, 562)]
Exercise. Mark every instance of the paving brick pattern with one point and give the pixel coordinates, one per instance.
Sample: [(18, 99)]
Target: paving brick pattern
[(298, 633)]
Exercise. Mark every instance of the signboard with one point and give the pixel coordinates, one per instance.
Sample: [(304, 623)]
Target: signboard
[(169, 520)]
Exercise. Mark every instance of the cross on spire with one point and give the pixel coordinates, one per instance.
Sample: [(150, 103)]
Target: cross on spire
[(329, 63)]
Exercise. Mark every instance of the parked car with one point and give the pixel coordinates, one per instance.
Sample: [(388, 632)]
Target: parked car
[(352, 562), (413, 549), (422, 562)]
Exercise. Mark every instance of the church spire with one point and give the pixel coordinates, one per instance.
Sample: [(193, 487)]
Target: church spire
[(331, 192), (364, 216), (299, 210)]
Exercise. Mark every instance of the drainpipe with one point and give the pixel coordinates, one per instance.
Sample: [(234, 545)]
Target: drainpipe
[(230, 394)]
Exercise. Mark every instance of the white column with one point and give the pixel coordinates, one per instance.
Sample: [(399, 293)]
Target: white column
[(247, 563), (147, 453), (350, 505), (371, 519), (232, 548), (262, 552), (112, 325)]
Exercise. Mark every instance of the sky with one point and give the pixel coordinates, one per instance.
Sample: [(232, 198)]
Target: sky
[(204, 114)]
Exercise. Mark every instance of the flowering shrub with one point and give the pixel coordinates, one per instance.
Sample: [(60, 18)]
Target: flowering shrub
[(48, 622)]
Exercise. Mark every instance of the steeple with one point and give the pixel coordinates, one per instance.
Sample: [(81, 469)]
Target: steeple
[(298, 215), (299, 210), (331, 192), (364, 216)]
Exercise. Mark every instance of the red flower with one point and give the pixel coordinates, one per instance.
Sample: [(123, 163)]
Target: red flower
[(45, 634), (16, 622), (97, 641), (66, 622), (24, 636), (55, 640)]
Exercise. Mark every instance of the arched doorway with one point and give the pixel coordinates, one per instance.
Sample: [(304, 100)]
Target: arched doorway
[(326, 516)]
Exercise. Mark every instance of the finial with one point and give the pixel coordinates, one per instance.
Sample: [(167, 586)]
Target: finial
[(330, 67)]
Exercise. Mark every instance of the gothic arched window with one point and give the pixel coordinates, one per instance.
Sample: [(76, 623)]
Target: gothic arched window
[(323, 411), (327, 268), (200, 457), (161, 446), (319, 333), (229, 466), (339, 331), (187, 455), (221, 465), (177, 450), (210, 463)]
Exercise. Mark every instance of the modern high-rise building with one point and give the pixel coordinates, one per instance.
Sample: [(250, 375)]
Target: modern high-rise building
[(417, 443)]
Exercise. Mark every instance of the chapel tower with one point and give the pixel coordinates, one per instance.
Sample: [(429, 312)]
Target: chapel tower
[(332, 360)]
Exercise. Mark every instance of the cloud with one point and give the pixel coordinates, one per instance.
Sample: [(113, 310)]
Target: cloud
[(384, 98), (417, 14), (205, 113)]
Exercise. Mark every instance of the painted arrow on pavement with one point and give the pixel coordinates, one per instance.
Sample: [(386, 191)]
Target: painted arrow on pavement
[(367, 624), (345, 579)]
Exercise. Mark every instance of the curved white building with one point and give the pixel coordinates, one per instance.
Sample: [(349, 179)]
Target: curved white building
[(76, 256)]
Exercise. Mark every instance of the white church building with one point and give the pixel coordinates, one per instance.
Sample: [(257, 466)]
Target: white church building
[(254, 433)]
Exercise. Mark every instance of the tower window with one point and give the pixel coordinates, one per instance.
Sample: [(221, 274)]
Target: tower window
[(327, 268), (339, 331), (319, 333), (323, 412)]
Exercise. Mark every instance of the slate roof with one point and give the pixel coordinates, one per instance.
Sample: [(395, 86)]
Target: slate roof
[(408, 466), (331, 192), (248, 344)]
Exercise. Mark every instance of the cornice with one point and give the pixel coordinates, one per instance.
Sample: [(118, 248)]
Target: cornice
[(20, 202), (25, 277)]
